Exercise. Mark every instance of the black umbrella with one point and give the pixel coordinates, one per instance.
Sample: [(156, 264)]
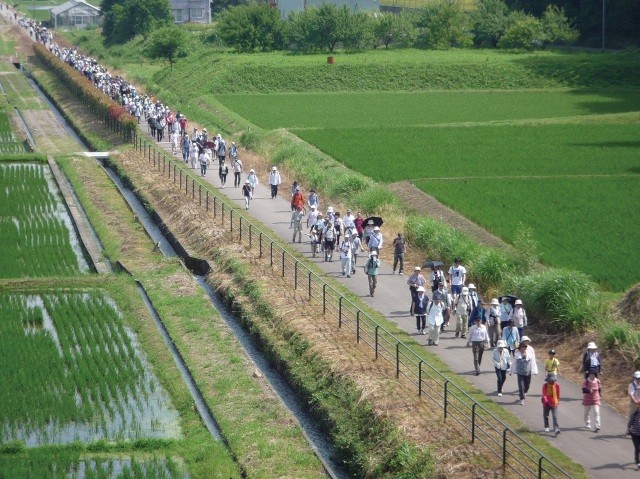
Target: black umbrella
[(432, 264), (377, 221), (510, 297), (209, 144)]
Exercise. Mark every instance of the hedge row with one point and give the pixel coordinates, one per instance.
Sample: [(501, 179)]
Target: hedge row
[(110, 112)]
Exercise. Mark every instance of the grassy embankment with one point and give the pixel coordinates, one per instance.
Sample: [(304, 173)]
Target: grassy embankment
[(312, 376)]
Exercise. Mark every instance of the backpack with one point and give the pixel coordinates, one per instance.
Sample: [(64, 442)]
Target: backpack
[(222, 149)]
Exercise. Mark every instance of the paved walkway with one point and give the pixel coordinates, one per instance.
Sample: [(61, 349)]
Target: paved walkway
[(605, 455)]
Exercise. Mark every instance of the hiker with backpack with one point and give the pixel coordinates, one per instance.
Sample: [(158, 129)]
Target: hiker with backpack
[(371, 269), (462, 310), (419, 307), (435, 319)]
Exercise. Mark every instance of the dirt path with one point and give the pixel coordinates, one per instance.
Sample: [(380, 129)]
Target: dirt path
[(423, 204)]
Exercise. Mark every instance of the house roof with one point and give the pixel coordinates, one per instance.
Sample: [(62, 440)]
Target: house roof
[(70, 4)]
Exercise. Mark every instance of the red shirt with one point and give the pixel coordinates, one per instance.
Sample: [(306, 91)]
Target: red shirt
[(550, 394)]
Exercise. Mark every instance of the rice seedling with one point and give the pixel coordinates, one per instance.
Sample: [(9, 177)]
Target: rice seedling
[(36, 231), (9, 144), (76, 372)]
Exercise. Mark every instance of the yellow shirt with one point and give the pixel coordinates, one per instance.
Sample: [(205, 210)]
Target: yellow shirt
[(551, 366)]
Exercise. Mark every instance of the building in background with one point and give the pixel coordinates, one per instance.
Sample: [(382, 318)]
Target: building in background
[(286, 6), (74, 14), (191, 11)]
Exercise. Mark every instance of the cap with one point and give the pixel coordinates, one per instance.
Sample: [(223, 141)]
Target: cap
[(552, 351), (373, 253), (297, 188), (355, 233), (465, 290), (518, 302), (233, 142), (370, 222), (506, 298), (636, 375), (592, 345), (417, 268), (313, 207), (472, 286), (420, 289), (330, 209), (274, 168), (550, 377), (247, 181), (252, 171), (501, 343), (376, 228), (495, 302), (204, 129), (436, 297), (525, 338)]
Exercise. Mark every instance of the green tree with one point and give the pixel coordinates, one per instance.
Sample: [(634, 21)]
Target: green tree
[(135, 17), (489, 21), (250, 27), (168, 43), (388, 28), (524, 31), (443, 24), (557, 28), (354, 29)]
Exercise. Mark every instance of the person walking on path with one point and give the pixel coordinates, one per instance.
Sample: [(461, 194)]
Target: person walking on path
[(224, 171), (419, 306), (399, 249), (501, 363), (435, 319), (246, 194), (634, 392), (348, 222), (457, 277), (359, 224), (193, 154), (447, 302), (346, 253), (519, 317), (524, 365), (205, 158), (437, 277), (633, 428), (221, 150), (297, 199), (493, 322), (591, 360), (356, 248), (550, 402), (371, 269), (462, 309), (274, 181), (313, 199), (505, 311), (591, 398), (236, 164), (329, 235), (296, 220), (511, 336), (551, 364), (415, 281), (252, 178), (185, 147), (375, 240), (478, 340)]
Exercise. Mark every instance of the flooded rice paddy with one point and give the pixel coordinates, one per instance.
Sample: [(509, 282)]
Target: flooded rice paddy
[(72, 371)]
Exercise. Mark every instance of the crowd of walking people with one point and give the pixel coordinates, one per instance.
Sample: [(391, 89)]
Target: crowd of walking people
[(438, 300)]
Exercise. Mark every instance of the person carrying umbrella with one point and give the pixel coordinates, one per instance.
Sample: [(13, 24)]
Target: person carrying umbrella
[(505, 310), (375, 240)]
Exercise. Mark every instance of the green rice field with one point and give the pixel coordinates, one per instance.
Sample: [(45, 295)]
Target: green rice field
[(564, 162), (9, 144), (87, 378), (36, 232), (72, 466)]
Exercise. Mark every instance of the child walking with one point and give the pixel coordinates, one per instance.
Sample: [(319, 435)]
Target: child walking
[(551, 364), (550, 401)]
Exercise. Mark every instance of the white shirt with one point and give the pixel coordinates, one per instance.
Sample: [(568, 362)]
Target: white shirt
[(457, 275), (478, 334), (274, 178), (434, 316), (347, 221)]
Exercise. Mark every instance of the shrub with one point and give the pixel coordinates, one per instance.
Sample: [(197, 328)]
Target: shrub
[(524, 31), (489, 21), (373, 200), (347, 185), (443, 24), (440, 241), (252, 27), (250, 139), (562, 300), (388, 28), (557, 28), (489, 268)]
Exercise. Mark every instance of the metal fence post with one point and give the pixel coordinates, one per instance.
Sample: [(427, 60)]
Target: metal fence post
[(324, 298), (214, 207), (222, 208), (309, 285), (398, 360), (504, 448), (473, 422), (283, 263), (340, 312), (295, 275), (240, 227), (174, 174), (420, 378), (358, 327), (193, 189), (231, 219), (199, 195), (446, 398), (271, 254), (540, 467), (206, 200), (377, 327), (260, 244), (180, 180), (250, 236)]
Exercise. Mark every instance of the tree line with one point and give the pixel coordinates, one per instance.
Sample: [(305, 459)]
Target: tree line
[(441, 24)]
